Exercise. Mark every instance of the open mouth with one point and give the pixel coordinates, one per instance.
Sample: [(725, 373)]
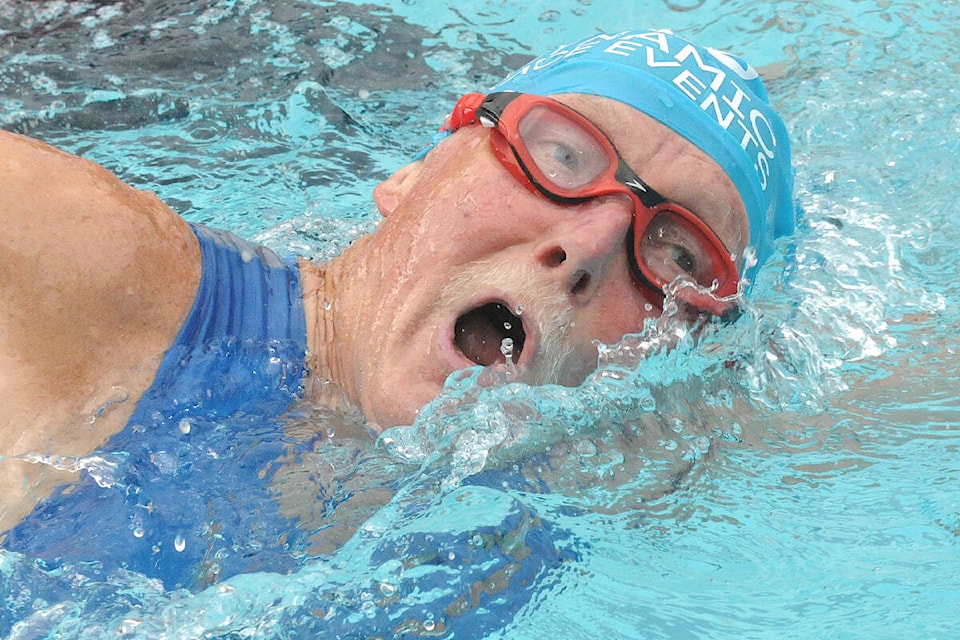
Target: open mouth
[(487, 334)]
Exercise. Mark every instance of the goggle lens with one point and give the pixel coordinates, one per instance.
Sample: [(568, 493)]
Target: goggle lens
[(671, 246), (567, 157)]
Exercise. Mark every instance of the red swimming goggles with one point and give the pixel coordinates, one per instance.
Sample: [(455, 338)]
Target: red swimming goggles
[(561, 155)]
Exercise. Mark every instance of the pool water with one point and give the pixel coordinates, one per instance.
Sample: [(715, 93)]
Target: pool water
[(794, 475)]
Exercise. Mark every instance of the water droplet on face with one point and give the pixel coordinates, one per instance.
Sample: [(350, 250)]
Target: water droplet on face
[(519, 310), (179, 543), (507, 326)]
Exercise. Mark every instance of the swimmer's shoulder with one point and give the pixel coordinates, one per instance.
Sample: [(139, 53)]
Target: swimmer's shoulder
[(73, 200), (96, 278)]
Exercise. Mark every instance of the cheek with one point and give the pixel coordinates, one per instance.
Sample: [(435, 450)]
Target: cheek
[(618, 315), (476, 222), (396, 397)]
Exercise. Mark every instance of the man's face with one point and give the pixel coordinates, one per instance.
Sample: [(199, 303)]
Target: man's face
[(468, 256)]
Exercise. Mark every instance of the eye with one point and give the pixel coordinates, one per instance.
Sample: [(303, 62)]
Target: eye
[(565, 156), (671, 248), (563, 153), (563, 164), (684, 259), (568, 163)]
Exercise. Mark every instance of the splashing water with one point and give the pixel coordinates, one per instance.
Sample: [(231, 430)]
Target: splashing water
[(506, 347), (102, 468), (809, 447)]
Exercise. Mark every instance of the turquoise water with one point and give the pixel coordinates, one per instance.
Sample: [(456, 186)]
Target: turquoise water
[(796, 475)]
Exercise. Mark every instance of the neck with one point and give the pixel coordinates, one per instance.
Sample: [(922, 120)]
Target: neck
[(332, 331), (324, 384)]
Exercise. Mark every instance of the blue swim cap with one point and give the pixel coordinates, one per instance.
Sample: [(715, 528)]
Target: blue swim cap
[(712, 98)]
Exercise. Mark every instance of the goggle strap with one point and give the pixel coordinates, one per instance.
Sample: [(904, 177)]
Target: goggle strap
[(464, 112)]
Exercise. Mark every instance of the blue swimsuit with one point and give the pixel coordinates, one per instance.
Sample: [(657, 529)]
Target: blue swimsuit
[(183, 492)]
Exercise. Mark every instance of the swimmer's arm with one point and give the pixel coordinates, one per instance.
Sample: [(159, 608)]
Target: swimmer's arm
[(96, 278)]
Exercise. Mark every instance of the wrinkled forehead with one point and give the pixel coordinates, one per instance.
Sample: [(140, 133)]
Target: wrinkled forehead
[(670, 164)]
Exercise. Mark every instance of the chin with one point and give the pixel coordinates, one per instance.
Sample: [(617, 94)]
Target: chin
[(391, 410)]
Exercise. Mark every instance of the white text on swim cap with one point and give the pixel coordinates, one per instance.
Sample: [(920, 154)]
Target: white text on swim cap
[(713, 88)]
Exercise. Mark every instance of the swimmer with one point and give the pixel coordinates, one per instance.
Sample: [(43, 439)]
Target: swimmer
[(550, 213)]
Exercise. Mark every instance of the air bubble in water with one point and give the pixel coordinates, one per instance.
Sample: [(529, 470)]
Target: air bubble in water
[(184, 426), (586, 449), (127, 625), (179, 543), (669, 445), (138, 532)]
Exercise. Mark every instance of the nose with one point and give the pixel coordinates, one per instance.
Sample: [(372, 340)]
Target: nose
[(587, 244)]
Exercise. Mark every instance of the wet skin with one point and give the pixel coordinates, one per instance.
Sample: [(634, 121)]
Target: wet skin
[(459, 213), (99, 277)]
